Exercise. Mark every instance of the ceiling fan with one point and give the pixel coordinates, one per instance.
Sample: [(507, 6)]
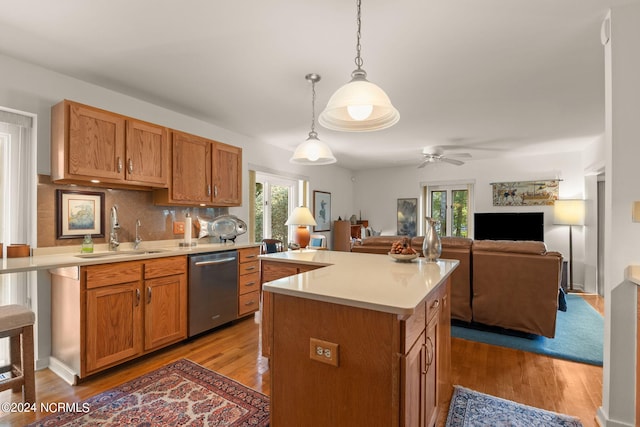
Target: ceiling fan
[(436, 155)]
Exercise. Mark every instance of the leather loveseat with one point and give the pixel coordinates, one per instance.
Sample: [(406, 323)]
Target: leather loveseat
[(507, 284)]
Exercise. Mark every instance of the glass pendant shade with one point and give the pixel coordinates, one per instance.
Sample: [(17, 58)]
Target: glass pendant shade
[(344, 111), (313, 152)]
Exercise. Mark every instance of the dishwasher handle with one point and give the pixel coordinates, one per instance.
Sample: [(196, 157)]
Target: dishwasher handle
[(215, 261)]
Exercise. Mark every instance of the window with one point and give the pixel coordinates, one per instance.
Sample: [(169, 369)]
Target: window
[(18, 208), (275, 198), (450, 205)]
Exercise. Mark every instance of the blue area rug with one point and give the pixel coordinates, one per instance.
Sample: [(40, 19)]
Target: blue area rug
[(579, 335), (472, 408)]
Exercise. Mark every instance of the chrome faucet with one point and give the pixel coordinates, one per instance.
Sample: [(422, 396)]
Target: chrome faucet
[(113, 236), (138, 240)]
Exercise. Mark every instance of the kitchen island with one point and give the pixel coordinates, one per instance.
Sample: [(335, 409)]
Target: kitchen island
[(356, 339)]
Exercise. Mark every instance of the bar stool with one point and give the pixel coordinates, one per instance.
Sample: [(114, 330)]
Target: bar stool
[(16, 322)]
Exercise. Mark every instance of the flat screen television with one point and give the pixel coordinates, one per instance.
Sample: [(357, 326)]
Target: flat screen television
[(509, 226)]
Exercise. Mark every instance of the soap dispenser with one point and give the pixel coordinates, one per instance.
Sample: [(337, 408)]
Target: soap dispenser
[(87, 244)]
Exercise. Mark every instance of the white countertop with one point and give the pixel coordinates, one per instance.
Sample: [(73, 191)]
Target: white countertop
[(363, 280), (67, 256)]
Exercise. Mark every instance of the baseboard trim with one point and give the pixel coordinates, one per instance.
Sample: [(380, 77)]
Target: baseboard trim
[(63, 371)]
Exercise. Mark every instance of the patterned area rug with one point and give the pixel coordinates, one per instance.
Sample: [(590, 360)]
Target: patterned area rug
[(179, 394), (472, 408)]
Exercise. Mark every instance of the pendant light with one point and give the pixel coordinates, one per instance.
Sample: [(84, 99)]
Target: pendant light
[(313, 151), (359, 105)]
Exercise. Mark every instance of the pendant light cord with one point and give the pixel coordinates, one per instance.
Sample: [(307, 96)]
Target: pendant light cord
[(313, 78), (313, 106), (358, 60)]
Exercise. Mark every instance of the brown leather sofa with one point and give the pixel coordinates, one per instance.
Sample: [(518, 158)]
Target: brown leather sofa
[(516, 285), (508, 284)]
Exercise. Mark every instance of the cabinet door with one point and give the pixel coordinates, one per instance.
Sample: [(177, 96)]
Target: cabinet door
[(227, 171), (431, 369), (114, 324), (96, 143), (413, 384), (165, 317), (191, 170), (147, 152)]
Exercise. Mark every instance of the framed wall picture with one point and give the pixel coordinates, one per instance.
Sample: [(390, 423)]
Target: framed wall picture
[(407, 217), (322, 210), (79, 213)]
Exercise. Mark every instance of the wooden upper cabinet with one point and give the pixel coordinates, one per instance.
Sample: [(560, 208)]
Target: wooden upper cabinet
[(147, 153), (90, 145), (191, 171), (95, 143), (227, 173), (204, 172)]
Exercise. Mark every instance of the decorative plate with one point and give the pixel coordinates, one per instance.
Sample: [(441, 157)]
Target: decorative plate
[(403, 258), (227, 227)]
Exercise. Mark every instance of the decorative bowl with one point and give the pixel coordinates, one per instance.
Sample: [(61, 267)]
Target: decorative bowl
[(403, 258)]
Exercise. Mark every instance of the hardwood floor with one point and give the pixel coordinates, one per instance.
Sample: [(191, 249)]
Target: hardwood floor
[(540, 381)]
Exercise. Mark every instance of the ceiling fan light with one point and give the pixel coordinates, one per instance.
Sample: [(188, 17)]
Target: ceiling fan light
[(359, 93), (313, 152)]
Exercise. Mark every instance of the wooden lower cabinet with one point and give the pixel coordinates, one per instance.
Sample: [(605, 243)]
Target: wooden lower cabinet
[(248, 281), (113, 331), (391, 369), (269, 271), (106, 314)]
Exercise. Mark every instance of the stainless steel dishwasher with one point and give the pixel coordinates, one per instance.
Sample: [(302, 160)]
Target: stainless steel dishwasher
[(213, 290)]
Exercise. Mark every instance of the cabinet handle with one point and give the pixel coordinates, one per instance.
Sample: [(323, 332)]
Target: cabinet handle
[(137, 297), (430, 353), (208, 189), (119, 164), (250, 283), (250, 256), (435, 304), (253, 267), (248, 303), (130, 165), (148, 294), (215, 191)]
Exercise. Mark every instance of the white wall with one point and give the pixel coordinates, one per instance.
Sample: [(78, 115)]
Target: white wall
[(377, 191), (622, 107)]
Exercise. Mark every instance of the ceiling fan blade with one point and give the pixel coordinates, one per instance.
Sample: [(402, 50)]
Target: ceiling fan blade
[(424, 163), (452, 161), (459, 155)]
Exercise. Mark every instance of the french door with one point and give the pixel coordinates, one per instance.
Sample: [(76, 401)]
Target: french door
[(275, 199), (450, 205)]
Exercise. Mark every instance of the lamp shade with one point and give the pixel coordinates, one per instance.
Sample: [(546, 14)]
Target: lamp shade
[(635, 213), (568, 212), (359, 106), (312, 152), (301, 216)]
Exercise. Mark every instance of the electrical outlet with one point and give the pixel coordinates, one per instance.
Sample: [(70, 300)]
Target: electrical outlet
[(178, 227), (323, 351)]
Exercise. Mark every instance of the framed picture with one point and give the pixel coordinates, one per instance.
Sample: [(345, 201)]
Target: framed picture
[(79, 213), (525, 193), (407, 217), (322, 210)]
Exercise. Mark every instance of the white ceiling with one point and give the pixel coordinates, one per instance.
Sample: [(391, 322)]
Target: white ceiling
[(487, 77)]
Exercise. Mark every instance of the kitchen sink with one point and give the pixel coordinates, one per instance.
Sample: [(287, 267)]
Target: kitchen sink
[(116, 253)]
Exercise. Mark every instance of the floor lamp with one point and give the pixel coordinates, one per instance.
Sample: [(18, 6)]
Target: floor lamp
[(301, 216), (569, 212)]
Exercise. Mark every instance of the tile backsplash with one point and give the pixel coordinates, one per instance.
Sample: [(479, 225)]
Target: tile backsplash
[(156, 221)]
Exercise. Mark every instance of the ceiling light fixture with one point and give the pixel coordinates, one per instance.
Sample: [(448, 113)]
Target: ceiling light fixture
[(359, 105), (313, 151)]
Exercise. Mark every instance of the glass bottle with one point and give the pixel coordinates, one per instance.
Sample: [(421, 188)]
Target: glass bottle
[(87, 244)]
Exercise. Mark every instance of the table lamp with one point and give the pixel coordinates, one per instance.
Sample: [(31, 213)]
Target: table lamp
[(569, 212), (301, 216)]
